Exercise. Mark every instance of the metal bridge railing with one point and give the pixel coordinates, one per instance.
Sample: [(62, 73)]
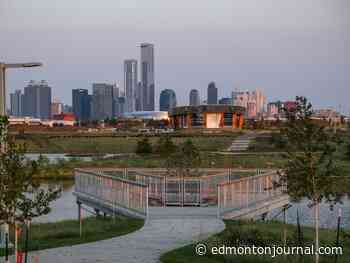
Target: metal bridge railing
[(168, 189), (115, 192), (247, 191)]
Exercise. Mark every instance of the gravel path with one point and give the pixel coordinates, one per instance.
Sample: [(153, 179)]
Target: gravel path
[(143, 246)]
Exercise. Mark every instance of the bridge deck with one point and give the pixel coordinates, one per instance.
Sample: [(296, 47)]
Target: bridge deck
[(257, 209)]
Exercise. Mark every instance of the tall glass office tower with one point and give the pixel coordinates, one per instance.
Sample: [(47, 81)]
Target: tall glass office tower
[(212, 97), (167, 100), (194, 97), (147, 76), (130, 83)]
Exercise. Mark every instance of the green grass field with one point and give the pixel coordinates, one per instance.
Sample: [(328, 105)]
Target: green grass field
[(207, 144), (66, 233), (101, 145), (259, 234)]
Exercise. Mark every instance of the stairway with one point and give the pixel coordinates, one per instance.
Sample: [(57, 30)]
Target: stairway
[(241, 143)]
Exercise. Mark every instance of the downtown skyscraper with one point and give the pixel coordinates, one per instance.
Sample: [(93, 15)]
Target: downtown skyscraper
[(194, 97), (81, 103), (212, 94), (16, 99), (103, 101), (130, 83), (147, 76), (37, 100), (167, 100)]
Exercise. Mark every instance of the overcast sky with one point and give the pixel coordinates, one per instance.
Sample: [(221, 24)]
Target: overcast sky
[(284, 47)]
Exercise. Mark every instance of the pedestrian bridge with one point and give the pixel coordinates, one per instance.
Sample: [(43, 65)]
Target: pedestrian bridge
[(157, 193)]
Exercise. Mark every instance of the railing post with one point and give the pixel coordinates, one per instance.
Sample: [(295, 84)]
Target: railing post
[(80, 219), (147, 208), (141, 196), (224, 199), (219, 200), (267, 186), (128, 194), (253, 190), (200, 191), (164, 190), (240, 193), (247, 194)]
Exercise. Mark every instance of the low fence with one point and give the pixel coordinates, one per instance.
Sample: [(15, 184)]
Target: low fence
[(248, 191), (111, 193)]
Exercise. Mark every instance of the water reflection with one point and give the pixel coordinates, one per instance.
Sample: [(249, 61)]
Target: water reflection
[(63, 208), (55, 157), (328, 217)]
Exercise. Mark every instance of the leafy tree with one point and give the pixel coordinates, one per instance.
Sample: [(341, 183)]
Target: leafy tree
[(278, 140), (310, 170), (165, 146), (347, 151), (21, 197), (186, 159), (113, 121), (144, 146)]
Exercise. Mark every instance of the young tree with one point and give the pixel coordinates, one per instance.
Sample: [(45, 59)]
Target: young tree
[(186, 158), (310, 169), (347, 151), (144, 146), (21, 197), (165, 146)]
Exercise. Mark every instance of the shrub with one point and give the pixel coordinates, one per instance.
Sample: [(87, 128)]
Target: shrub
[(144, 146)]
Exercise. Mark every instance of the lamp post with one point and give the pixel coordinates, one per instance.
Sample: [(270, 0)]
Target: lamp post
[(3, 67), (4, 230)]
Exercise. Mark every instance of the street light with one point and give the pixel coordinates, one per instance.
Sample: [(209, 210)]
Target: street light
[(3, 67), (4, 229)]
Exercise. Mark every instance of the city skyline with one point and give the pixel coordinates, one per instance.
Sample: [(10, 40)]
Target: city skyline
[(251, 45)]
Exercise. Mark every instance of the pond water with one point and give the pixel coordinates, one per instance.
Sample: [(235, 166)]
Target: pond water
[(328, 217), (66, 208), (63, 208), (54, 157)]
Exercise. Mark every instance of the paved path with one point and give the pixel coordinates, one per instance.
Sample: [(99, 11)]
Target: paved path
[(163, 232)]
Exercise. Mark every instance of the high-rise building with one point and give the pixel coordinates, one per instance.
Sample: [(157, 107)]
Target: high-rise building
[(252, 109), (167, 100), (130, 83), (120, 106), (37, 100), (273, 109), (138, 97), (67, 108), (254, 102), (212, 97), (81, 103), (194, 97), (240, 98), (103, 101), (147, 76), (16, 103), (260, 99), (56, 107), (225, 101)]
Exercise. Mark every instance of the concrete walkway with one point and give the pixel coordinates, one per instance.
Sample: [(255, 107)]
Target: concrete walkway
[(159, 234)]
